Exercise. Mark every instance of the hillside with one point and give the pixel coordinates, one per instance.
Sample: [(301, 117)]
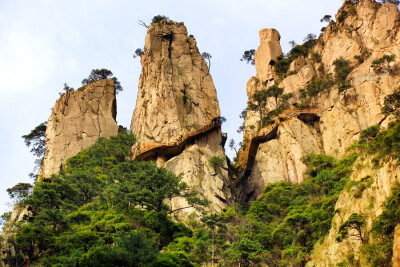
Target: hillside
[(314, 183)]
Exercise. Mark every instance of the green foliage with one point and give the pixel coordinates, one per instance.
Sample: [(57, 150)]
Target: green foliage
[(103, 210), (285, 222), (283, 63), (103, 155), (379, 252), (326, 18), (100, 74), (342, 69), (66, 89), (352, 227), (36, 140), (245, 251), (195, 247), (135, 183), (275, 92), (20, 191), (159, 18), (383, 63), (82, 88), (173, 259), (315, 86), (258, 102), (259, 99), (316, 57), (392, 104), (4, 218), (342, 16), (248, 56), (216, 162), (138, 53), (386, 143), (134, 249), (369, 133)]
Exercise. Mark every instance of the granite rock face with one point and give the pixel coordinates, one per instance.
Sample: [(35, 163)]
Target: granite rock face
[(77, 120), (267, 54), (369, 203), (10, 229), (280, 159), (365, 28), (176, 119), (362, 33), (176, 93), (396, 247)]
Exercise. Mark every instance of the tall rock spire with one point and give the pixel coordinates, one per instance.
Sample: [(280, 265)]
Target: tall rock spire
[(267, 54), (176, 119)]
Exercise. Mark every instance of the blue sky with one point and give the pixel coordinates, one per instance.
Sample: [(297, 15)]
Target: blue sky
[(44, 44)]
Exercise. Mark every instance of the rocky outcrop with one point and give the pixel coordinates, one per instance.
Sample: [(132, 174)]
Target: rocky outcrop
[(378, 183), (176, 119), (77, 120), (366, 29), (18, 214), (396, 247), (363, 32), (176, 92), (267, 54), (280, 159)]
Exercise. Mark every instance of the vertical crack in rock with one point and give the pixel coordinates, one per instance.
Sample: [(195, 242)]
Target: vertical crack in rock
[(78, 118), (171, 130)]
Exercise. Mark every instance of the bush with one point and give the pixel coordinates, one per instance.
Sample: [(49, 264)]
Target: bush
[(100, 74), (283, 63), (383, 63), (342, 69), (317, 85), (159, 18), (216, 162), (392, 104)]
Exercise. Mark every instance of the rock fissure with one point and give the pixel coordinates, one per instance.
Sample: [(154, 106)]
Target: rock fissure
[(183, 104)]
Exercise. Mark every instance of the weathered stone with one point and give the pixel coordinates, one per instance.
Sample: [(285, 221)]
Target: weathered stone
[(11, 228), (176, 114), (369, 204), (267, 54), (281, 158), (297, 64), (176, 93), (77, 120), (396, 247), (193, 164)]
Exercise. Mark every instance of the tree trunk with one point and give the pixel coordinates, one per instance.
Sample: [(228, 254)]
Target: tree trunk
[(212, 252)]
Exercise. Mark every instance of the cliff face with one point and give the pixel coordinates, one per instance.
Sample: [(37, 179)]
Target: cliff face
[(335, 119), (78, 118), (368, 203), (176, 119), (273, 153), (363, 32), (267, 54)]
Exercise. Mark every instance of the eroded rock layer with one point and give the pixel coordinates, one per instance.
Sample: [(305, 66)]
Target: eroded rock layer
[(176, 119), (77, 120)]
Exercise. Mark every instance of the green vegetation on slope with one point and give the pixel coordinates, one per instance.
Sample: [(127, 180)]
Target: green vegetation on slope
[(105, 210), (102, 210)]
